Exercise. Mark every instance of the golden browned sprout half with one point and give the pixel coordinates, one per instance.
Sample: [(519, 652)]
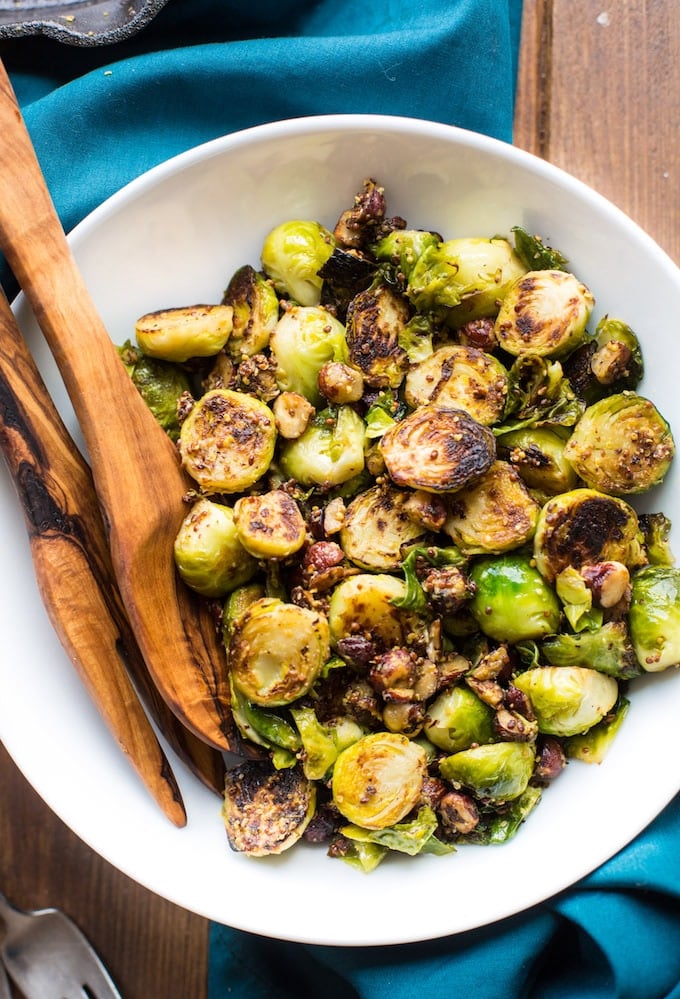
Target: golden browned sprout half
[(266, 811), (459, 377), (269, 525), (375, 318), (545, 313), (495, 514), (189, 331), (376, 528)]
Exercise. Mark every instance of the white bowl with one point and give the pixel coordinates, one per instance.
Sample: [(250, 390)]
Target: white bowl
[(174, 237)]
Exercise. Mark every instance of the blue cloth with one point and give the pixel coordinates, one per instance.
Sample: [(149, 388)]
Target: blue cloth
[(98, 118)]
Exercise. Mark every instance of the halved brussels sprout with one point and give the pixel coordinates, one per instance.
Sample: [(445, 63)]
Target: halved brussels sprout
[(292, 254), (438, 450), (304, 339), (227, 441), (364, 605), (208, 553), (458, 719), (500, 771), (270, 525), (459, 377), (256, 312), (544, 313), (379, 779), (654, 617), (538, 455), (277, 650), (621, 445), (617, 360), (512, 602), (266, 811), (493, 515), (377, 526), (568, 700), (583, 527), (463, 279), (161, 385), (329, 452), (404, 247), (607, 649), (375, 320), (182, 333)]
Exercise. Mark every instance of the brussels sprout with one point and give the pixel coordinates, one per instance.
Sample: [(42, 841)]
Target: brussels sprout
[(617, 360), (378, 780), (179, 334), (568, 700), (545, 313), (538, 455), (656, 528), (592, 746), (375, 320), (344, 275), (329, 452), (438, 450), (539, 395), (161, 385), (270, 525), (500, 771), (459, 377), (584, 527), (266, 811), (463, 279), (292, 254), (457, 719), (607, 649), (512, 602), (494, 514), (654, 617), (364, 605), (277, 650), (208, 554), (302, 342), (377, 527), (227, 441), (621, 445), (256, 312), (403, 248)]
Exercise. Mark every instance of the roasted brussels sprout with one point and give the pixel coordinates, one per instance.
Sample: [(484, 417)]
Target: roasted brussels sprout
[(500, 771), (329, 452), (459, 377), (277, 650), (292, 255), (375, 320), (227, 441), (302, 342), (512, 601), (621, 445), (592, 746), (568, 700), (538, 455), (544, 313), (364, 605), (208, 553), (404, 247), (378, 780), (438, 450), (493, 515), (182, 333), (656, 530), (539, 396), (585, 526), (269, 525), (377, 527), (161, 385), (654, 617), (256, 311), (458, 719), (266, 811), (463, 279), (607, 649)]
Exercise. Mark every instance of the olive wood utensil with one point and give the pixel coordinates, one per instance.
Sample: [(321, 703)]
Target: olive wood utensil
[(136, 469), (75, 577)]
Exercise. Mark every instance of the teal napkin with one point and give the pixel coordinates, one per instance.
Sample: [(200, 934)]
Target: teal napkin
[(98, 118)]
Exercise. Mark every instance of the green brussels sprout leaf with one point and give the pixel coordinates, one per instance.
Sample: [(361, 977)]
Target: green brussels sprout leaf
[(535, 254)]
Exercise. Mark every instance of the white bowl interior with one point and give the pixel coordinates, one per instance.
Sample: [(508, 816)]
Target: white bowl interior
[(174, 237)]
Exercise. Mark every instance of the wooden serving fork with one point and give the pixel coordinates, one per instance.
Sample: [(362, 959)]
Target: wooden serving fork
[(136, 470)]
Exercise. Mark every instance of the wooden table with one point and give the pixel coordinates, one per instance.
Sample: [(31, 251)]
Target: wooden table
[(599, 95)]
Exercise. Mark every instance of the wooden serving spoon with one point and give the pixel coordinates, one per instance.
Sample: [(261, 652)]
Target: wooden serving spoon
[(136, 470)]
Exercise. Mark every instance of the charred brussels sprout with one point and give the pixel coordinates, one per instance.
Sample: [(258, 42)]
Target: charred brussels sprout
[(256, 311), (376, 318), (617, 361), (463, 279), (329, 452), (607, 649), (179, 334), (500, 771), (269, 525), (208, 553), (457, 719), (377, 527), (544, 313), (438, 450), (583, 527), (227, 441), (378, 780), (161, 385), (459, 377), (292, 255), (568, 700), (266, 811), (621, 445), (302, 342), (277, 651), (538, 455), (512, 601), (654, 617)]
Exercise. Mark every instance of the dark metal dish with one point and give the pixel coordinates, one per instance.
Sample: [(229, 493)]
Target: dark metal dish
[(79, 22)]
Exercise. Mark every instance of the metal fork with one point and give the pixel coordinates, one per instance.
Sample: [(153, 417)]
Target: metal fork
[(47, 956)]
